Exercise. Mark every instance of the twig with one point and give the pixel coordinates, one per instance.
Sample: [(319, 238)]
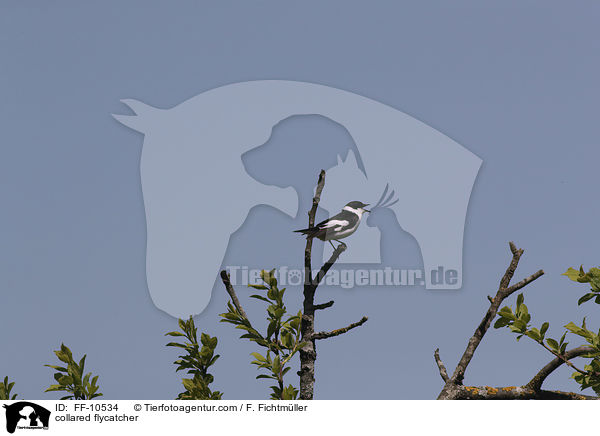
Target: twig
[(325, 335), (325, 268), (440, 365), (231, 292), (512, 267), (523, 283), (323, 305)]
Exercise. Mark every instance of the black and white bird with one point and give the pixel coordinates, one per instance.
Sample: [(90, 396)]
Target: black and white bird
[(338, 226)]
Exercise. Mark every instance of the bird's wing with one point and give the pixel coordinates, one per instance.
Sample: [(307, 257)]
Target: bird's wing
[(332, 223), (338, 220)]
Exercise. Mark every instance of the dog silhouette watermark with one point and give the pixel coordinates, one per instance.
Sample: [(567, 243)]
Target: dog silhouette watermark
[(191, 158)]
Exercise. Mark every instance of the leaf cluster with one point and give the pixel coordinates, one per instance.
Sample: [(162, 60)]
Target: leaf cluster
[(197, 360), (519, 322), (592, 277), (72, 379), (281, 340), (591, 377), (5, 388)]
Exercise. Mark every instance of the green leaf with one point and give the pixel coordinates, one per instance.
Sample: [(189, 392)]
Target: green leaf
[(66, 351), (271, 328), (276, 365), (260, 297), (563, 347), (534, 334), (295, 323), (552, 344), (58, 368), (259, 357), (287, 340), (265, 276), (262, 287), (272, 280), (501, 322), (544, 329), (507, 312), (65, 380), (53, 388), (523, 313), (585, 298), (520, 299), (174, 334), (62, 356), (204, 339), (188, 384), (519, 326), (562, 338), (289, 393), (82, 363), (572, 327), (176, 344), (573, 274), (592, 277)]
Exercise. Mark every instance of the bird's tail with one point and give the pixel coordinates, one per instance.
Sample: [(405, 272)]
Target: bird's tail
[(310, 232)]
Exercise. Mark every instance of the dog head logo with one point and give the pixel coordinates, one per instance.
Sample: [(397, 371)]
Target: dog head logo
[(24, 414), (193, 151)]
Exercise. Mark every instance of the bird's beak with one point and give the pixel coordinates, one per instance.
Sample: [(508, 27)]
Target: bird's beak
[(366, 210)]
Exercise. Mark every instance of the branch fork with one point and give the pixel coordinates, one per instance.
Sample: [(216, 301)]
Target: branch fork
[(454, 389)]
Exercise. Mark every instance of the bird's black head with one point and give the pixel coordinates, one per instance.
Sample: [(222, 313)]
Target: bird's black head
[(357, 205)]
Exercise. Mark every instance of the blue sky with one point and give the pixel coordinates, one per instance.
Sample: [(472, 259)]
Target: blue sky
[(515, 82)]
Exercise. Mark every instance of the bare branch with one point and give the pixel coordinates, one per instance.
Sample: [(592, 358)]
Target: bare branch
[(231, 292), (459, 392), (536, 382), (523, 283), (308, 353), (512, 267), (440, 365), (311, 222), (325, 335), (323, 305), (503, 292), (316, 199), (334, 257)]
